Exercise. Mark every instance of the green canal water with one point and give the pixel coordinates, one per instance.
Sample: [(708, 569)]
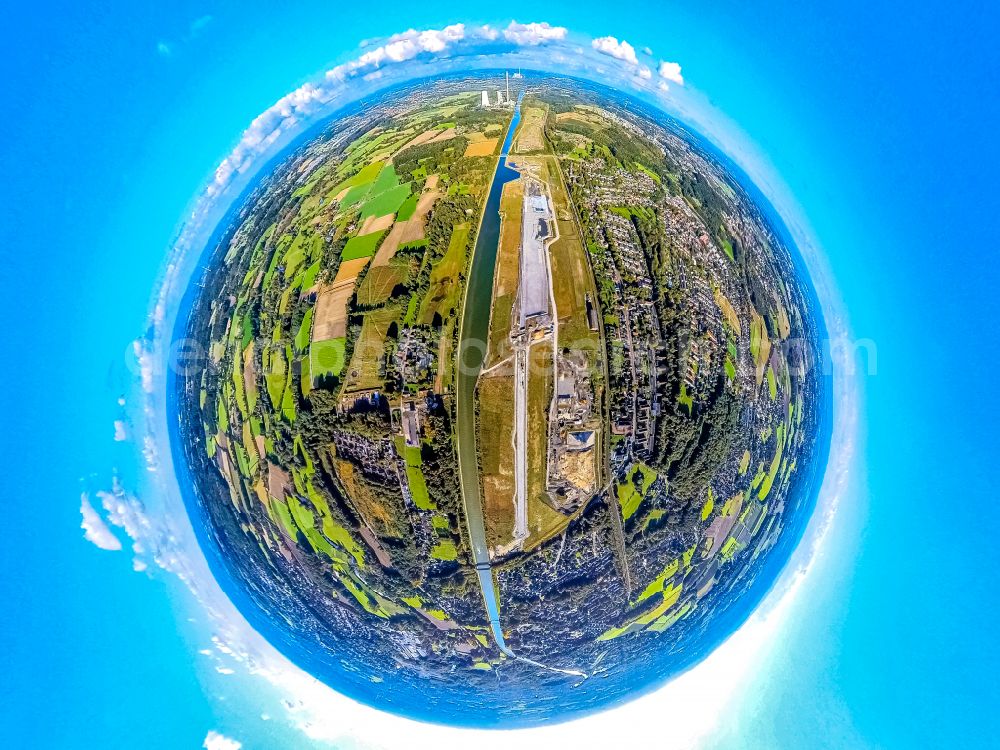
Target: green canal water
[(471, 350)]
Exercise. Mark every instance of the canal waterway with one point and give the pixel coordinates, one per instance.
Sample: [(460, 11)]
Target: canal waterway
[(473, 336)]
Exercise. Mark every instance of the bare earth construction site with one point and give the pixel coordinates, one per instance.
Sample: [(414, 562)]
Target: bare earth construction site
[(512, 404)]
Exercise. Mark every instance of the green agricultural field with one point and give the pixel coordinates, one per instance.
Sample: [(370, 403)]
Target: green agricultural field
[(310, 274), (657, 584), (418, 488), (730, 369), (685, 398), (772, 471), (706, 509), (648, 171), (363, 178), (445, 550), (443, 295), (288, 403), (728, 247), (305, 329), (327, 357), (405, 212), (386, 202), (671, 593), (295, 255), (744, 462), (628, 496), (274, 378), (355, 195), (362, 246), (387, 178), (440, 523)]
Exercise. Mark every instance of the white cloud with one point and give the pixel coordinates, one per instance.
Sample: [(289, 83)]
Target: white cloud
[(608, 45), (216, 741), (487, 32), (645, 73), (163, 49), (671, 71), (153, 536), (144, 362), (647, 51), (531, 34), (409, 44), (121, 432), (94, 528)]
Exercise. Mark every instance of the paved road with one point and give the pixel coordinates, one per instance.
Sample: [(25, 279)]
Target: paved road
[(521, 443)]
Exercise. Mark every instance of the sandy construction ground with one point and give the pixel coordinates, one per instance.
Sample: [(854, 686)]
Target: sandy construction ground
[(530, 137)]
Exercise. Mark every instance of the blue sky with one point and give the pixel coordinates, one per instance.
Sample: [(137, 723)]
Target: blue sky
[(881, 121)]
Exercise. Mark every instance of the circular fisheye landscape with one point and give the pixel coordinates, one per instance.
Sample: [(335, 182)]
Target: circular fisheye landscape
[(512, 403)]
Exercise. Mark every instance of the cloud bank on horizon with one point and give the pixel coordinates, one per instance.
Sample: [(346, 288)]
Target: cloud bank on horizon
[(454, 41)]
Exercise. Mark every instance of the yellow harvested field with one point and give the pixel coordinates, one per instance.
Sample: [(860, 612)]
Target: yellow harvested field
[(350, 270), (444, 358), (784, 324), (331, 306), (413, 229), (444, 135), (539, 398), (389, 245), (376, 224), (279, 483), (727, 309), (249, 374), (481, 148), (419, 140), (404, 232)]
